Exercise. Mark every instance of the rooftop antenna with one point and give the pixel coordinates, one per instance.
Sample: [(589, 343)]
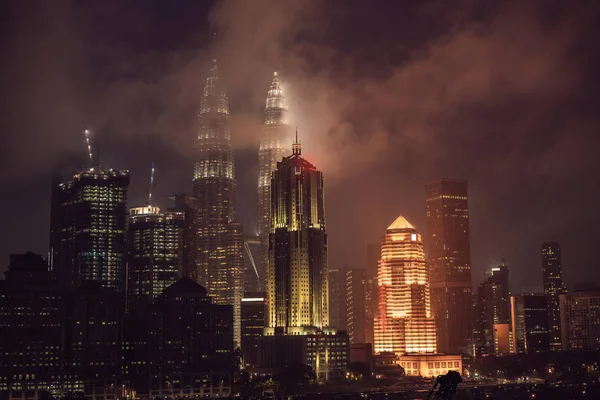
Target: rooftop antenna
[(89, 144), (151, 185), (296, 148)]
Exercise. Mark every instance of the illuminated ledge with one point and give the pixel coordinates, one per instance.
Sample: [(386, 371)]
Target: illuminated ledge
[(301, 331), (429, 365)]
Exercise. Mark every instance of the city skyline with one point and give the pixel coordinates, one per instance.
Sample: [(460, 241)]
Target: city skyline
[(504, 200)]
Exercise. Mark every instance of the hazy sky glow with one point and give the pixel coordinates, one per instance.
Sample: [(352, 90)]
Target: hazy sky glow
[(386, 96)]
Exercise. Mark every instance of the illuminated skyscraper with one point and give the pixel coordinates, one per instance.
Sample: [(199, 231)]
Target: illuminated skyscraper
[(449, 260), (404, 323), (272, 150), (218, 266), (156, 251), (554, 286), (87, 228), (298, 277)]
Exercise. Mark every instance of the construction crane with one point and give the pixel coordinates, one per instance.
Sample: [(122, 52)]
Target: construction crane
[(151, 185), (248, 240), (89, 144), (445, 386)]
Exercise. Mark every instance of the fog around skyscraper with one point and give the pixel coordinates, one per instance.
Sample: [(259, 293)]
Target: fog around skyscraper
[(361, 92)]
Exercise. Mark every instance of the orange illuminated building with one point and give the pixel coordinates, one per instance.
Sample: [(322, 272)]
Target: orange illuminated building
[(404, 323)]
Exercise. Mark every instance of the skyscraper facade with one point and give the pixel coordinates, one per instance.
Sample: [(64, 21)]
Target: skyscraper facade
[(554, 286), (88, 228), (371, 290), (186, 204), (580, 316), (404, 323), (218, 268), (493, 308), (355, 305), (449, 260), (298, 275), (156, 251), (529, 319), (272, 150)]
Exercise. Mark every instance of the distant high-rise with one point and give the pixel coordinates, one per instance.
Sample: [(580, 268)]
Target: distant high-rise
[(186, 204), (554, 286), (156, 251), (529, 319), (580, 316), (404, 323), (254, 307), (218, 264), (272, 150), (32, 326), (493, 308), (347, 302), (298, 275), (449, 260), (355, 305), (87, 228), (370, 289)]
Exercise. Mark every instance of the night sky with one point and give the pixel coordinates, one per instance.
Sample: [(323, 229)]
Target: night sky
[(386, 95)]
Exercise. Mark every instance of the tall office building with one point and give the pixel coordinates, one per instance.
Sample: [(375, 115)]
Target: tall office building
[(87, 228), (337, 298), (156, 251), (186, 204), (404, 323), (218, 264), (449, 260), (529, 319), (370, 290), (298, 275), (32, 327), (273, 147), (580, 320), (355, 305), (254, 307), (347, 302), (554, 286), (493, 310)]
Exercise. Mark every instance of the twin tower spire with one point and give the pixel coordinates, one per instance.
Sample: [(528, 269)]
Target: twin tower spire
[(219, 241)]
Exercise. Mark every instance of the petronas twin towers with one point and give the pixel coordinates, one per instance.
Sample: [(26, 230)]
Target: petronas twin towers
[(219, 239)]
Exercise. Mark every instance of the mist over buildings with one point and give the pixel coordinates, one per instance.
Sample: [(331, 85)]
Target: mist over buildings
[(386, 97)]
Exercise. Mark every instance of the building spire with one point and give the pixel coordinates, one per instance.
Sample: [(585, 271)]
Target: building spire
[(297, 147)]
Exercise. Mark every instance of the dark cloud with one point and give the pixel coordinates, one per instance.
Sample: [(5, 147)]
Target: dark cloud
[(386, 96)]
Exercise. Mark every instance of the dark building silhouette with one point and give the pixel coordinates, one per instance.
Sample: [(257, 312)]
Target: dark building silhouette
[(94, 337), (347, 302), (254, 307), (554, 286), (449, 259), (492, 309), (32, 327), (337, 298), (183, 345), (156, 251), (580, 320), (298, 275), (219, 258), (529, 319), (371, 290), (87, 228), (355, 305)]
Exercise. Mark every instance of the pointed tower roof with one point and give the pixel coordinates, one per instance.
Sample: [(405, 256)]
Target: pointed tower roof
[(400, 223), (275, 96), (214, 97)]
